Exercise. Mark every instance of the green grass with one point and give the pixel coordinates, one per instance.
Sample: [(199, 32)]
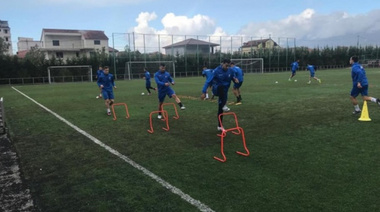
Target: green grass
[(308, 153)]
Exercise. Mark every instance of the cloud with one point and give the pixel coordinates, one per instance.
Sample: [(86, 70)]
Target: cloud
[(311, 26), (182, 27)]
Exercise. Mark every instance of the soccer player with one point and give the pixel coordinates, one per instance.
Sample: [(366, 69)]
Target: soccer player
[(236, 88), (312, 70), (208, 74), (106, 83), (163, 80), (222, 77), (294, 66), (360, 84), (98, 73), (147, 81)]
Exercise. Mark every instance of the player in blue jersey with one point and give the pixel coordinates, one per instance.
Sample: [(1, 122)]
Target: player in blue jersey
[(312, 70), (221, 81), (106, 83), (294, 67), (98, 73), (208, 74), (239, 74), (359, 85), (164, 80), (147, 81)]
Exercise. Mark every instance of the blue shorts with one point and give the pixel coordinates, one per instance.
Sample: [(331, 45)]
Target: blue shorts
[(107, 94), (293, 71), (238, 85), (356, 91), (162, 93), (312, 74)]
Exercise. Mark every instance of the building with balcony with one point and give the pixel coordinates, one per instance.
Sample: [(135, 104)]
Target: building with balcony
[(5, 34), (190, 46)]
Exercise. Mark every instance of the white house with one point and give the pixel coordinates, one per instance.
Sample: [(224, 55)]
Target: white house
[(67, 43), (5, 34), (190, 46)]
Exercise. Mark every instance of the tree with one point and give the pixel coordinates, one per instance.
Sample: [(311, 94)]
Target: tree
[(3, 46)]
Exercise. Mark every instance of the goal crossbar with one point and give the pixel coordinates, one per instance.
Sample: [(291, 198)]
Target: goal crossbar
[(251, 62), (80, 66)]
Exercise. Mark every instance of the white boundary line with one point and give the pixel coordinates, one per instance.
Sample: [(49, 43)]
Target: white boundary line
[(173, 189)]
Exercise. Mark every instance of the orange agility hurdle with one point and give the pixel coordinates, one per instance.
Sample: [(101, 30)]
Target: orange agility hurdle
[(113, 110), (165, 118), (175, 109), (235, 130)]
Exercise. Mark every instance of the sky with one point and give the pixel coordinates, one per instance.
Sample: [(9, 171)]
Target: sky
[(311, 23)]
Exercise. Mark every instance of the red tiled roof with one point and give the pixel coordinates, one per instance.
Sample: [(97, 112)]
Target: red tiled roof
[(87, 34), (191, 42)]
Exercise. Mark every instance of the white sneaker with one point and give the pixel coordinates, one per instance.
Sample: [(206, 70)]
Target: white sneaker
[(226, 109), (159, 117), (220, 128), (183, 107)]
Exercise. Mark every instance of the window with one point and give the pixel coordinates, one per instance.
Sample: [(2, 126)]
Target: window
[(59, 54), (55, 42), (77, 54), (6, 39), (96, 42), (5, 31)]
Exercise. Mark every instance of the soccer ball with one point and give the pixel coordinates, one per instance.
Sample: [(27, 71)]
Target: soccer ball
[(142, 94), (276, 82), (295, 80)]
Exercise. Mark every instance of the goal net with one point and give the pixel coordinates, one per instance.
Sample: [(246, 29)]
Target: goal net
[(253, 65), (81, 73), (135, 69)]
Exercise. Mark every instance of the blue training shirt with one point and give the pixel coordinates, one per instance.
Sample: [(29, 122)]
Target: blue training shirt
[(311, 69), (238, 73), (107, 80), (294, 66), (208, 73), (358, 75), (99, 72), (161, 78), (220, 78), (147, 76)]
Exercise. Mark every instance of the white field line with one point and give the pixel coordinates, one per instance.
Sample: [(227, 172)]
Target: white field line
[(173, 189)]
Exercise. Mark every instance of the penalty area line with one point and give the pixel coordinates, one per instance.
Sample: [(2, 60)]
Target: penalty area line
[(173, 189)]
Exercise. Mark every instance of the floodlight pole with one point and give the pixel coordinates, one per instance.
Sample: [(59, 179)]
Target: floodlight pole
[(114, 58)]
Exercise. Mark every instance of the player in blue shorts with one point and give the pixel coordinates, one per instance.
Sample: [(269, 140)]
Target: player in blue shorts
[(164, 80), (208, 74), (312, 70), (359, 85), (98, 73), (294, 67), (239, 74), (221, 81), (147, 81), (106, 83)]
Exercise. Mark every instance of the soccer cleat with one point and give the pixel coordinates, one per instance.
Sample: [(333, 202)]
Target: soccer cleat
[(238, 103), (220, 128), (183, 107), (290, 80), (309, 82), (148, 94), (109, 113), (319, 80), (356, 112), (159, 117), (378, 101), (226, 109)]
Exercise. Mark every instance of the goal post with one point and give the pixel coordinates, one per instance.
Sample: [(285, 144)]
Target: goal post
[(252, 65), (88, 68), (134, 69)]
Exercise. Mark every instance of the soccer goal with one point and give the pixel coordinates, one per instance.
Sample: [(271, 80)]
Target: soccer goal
[(79, 73), (135, 69), (253, 65)]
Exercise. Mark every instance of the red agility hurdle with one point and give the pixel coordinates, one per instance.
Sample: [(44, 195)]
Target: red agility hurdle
[(165, 118), (175, 109), (235, 130), (113, 110)]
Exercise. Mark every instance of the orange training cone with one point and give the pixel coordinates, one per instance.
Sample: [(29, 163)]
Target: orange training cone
[(364, 116)]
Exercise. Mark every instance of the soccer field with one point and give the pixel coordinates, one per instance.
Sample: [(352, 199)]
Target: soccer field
[(307, 152)]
